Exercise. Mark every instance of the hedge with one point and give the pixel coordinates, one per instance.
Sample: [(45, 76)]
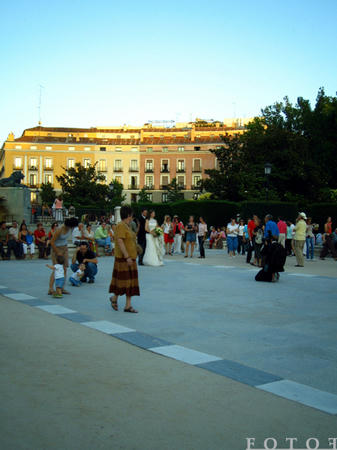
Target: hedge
[(319, 212)]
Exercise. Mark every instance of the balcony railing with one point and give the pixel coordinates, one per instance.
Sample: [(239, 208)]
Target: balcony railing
[(195, 187), (32, 167), (164, 170), (32, 186), (196, 169), (134, 186), (17, 167), (163, 187), (133, 169), (149, 186), (181, 170), (118, 169), (147, 170), (48, 168)]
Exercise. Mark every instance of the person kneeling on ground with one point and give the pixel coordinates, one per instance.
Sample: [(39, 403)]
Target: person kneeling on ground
[(274, 257), (75, 279), (84, 255)]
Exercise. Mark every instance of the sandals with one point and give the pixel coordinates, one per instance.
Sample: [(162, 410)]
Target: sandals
[(130, 310), (114, 304)]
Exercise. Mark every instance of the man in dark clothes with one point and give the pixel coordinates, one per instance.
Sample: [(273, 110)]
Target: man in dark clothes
[(141, 236), (88, 257), (274, 257)]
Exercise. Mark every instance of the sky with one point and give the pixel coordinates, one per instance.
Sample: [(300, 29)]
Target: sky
[(106, 62)]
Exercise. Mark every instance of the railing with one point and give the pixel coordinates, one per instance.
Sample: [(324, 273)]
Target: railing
[(134, 186), (48, 168), (17, 167), (195, 187), (148, 170), (163, 187), (149, 186), (195, 169), (32, 186), (118, 169), (164, 170), (133, 169), (180, 170), (32, 167)]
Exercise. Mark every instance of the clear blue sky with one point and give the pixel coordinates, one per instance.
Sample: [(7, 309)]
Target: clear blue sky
[(108, 62)]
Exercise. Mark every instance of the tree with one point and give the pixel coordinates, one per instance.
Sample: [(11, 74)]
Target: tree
[(47, 193), (174, 191), (143, 196), (83, 186), (115, 194)]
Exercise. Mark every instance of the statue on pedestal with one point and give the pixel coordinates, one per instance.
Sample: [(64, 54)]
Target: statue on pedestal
[(14, 180)]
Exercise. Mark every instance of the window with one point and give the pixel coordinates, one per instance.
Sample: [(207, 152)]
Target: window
[(49, 147), (149, 181), (164, 180), (181, 149), (134, 165), (118, 165), (149, 196), (197, 165), (48, 178), (165, 149), (71, 148), (86, 149), (181, 165), (102, 149), (33, 147), (86, 163), (149, 150), (134, 149), (197, 149), (18, 147), (48, 163), (118, 149), (17, 163), (196, 179), (118, 179), (33, 164), (71, 163), (134, 183), (33, 179), (149, 165), (164, 165), (181, 181), (101, 166), (118, 136), (164, 197)]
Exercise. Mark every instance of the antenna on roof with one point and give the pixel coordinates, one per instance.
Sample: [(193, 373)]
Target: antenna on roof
[(40, 101)]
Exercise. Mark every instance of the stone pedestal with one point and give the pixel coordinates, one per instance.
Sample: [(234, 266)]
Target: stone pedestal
[(17, 202), (117, 214)]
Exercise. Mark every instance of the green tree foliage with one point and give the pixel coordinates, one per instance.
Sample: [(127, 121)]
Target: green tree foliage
[(47, 193), (84, 186), (115, 194), (174, 193), (299, 141), (143, 196)]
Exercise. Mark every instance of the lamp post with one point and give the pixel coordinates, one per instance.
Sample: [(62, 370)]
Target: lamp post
[(267, 172)]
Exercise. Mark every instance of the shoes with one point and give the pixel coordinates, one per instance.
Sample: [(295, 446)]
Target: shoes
[(65, 292), (51, 292), (57, 296), (91, 281)]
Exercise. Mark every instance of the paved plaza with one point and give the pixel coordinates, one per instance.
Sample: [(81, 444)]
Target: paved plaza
[(204, 326)]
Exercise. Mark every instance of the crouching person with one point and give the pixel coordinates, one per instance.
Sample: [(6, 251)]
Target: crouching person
[(75, 279), (85, 256)]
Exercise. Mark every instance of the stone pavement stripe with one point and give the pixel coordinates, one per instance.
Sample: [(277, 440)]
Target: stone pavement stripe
[(5, 292), (184, 354), (55, 309), (240, 372), (3, 287), (301, 393), (20, 296), (107, 327), (224, 267), (301, 275), (34, 302), (75, 317), (141, 340)]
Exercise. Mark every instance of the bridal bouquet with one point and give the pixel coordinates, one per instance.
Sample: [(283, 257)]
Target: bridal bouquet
[(157, 232)]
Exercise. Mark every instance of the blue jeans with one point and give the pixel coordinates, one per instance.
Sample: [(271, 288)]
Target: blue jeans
[(310, 243), (232, 243), (104, 243), (74, 282), (90, 270)]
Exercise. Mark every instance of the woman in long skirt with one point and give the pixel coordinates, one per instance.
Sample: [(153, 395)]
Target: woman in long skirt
[(125, 273)]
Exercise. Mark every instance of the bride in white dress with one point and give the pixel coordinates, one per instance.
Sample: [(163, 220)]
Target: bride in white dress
[(155, 248)]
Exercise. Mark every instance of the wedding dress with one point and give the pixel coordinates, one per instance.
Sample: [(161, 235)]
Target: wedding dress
[(155, 249)]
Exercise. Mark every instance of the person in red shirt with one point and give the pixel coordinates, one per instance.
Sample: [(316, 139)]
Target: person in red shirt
[(282, 227), (40, 240), (252, 224)]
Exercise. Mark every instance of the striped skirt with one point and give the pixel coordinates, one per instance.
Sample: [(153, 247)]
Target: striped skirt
[(124, 278)]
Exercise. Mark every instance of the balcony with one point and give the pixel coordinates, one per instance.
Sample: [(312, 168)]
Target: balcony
[(46, 168), (16, 167), (197, 169), (181, 170), (149, 187), (133, 186), (147, 170), (118, 169), (133, 169), (32, 167), (164, 170), (164, 187)]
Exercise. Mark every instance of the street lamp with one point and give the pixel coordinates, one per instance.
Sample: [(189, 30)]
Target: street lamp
[(267, 172)]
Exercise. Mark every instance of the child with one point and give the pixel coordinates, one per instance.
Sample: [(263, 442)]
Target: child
[(59, 276), (75, 279)]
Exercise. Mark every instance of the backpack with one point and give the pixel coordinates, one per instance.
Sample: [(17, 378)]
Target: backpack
[(259, 236)]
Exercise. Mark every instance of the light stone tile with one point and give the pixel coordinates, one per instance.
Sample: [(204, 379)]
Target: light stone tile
[(301, 393), (107, 327), (20, 296), (184, 354), (55, 309)]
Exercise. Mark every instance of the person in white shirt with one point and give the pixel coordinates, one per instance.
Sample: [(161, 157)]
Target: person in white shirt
[(58, 270), (202, 234), (232, 237), (78, 234), (75, 278)]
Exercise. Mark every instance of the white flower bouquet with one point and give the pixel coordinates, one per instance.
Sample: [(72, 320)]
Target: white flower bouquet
[(157, 232)]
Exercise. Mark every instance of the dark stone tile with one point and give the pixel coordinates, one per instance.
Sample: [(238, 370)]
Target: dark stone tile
[(75, 317), (141, 339), (240, 372)]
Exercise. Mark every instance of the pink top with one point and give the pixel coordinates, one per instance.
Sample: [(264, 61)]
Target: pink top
[(58, 203), (282, 227)]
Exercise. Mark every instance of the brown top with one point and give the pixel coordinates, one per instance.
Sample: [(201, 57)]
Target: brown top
[(123, 231)]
